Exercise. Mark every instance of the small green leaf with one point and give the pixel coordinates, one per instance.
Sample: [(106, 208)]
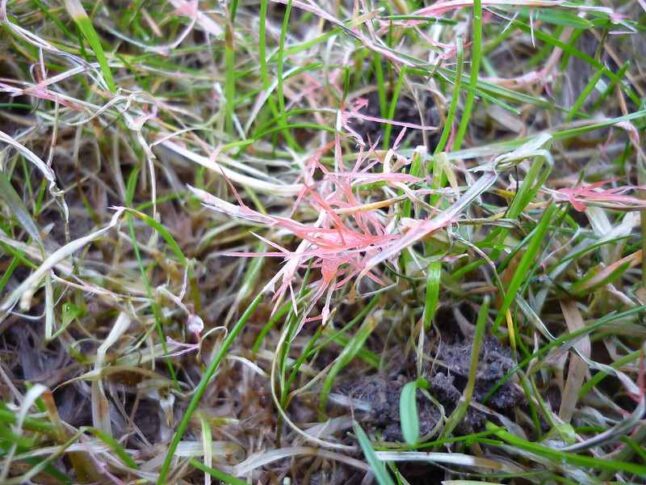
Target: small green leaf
[(70, 312), (408, 413)]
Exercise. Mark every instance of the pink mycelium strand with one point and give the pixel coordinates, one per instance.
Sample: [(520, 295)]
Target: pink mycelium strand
[(594, 194), (349, 237)]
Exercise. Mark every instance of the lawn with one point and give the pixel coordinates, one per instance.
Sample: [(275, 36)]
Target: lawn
[(322, 242)]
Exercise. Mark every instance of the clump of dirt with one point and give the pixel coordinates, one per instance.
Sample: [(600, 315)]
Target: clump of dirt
[(377, 398), (450, 373), (407, 111)]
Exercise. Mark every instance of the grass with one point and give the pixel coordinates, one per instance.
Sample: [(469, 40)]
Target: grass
[(224, 259)]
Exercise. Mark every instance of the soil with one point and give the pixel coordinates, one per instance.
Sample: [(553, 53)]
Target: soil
[(406, 112), (447, 375), (450, 373)]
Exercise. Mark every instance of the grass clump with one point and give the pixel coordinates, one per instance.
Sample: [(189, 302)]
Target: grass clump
[(322, 242)]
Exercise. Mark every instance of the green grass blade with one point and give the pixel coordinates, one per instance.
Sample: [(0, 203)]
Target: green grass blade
[(571, 458), (455, 98), (17, 207), (526, 261), (217, 474), (349, 352), (84, 24), (163, 232), (230, 66), (116, 448), (478, 337), (376, 465), (432, 297), (392, 108), (476, 57), (202, 385), (585, 93)]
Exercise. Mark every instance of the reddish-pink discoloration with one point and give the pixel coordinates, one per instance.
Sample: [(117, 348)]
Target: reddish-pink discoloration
[(582, 196)]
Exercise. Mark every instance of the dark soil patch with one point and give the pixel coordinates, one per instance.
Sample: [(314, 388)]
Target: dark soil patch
[(377, 397), (14, 110), (450, 373), (381, 396), (407, 111)]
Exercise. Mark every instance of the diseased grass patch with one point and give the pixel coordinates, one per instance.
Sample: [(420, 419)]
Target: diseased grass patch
[(316, 241)]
